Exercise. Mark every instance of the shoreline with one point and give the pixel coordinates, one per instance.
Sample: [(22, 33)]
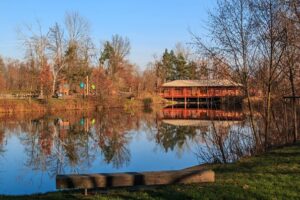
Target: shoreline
[(52, 105), (73, 104)]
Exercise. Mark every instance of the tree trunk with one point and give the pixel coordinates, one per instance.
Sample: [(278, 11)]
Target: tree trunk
[(257, 141), (294, 106), (268, 116), (54, 85)]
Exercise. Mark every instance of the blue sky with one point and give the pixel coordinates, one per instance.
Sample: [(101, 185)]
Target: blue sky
[(151, 25)]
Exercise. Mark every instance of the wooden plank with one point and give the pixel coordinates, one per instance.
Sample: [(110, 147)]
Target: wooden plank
[(107, 180)]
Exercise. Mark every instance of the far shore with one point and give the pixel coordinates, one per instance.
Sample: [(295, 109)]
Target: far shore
[(72, 104)]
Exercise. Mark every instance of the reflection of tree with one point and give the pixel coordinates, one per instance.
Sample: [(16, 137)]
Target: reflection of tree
[(113, 137), (115, 150), (2, 137), (66, 142), (33, 144), (225, 143), (72, 141), (171, 137), (52, 148), (76, 145)]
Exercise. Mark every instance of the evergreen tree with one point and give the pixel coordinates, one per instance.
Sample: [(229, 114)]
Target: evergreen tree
[(182, 69), (175, 67), (192, 70)]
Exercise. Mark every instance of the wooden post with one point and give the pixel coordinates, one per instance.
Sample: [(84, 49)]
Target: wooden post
[(184, 93), (87, 85)]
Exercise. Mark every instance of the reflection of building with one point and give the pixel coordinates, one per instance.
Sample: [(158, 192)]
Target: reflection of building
[(64, 126), (201, 113), (199, 116), (198, 89), (213, 124)]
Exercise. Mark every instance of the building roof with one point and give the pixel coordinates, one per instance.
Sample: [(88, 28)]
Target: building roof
[(202, 83)]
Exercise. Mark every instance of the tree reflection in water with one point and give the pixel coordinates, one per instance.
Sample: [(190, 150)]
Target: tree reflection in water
[(225, 143), (73, 141), (113, 138), (55, 143), (171, 137), (224, 135), (2, 138)]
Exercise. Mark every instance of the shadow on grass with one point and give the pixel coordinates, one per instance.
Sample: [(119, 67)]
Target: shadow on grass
[(189, 192)]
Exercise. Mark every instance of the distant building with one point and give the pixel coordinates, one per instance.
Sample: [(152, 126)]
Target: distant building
[(64, 89), (195, 89)]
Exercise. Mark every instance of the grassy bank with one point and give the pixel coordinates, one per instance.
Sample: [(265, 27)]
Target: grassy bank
[(274, 175), (26, 105), (54, 104), (22, 105), (50, 105)]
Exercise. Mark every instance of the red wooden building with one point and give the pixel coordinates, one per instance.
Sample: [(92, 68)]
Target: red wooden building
[(199, 89)]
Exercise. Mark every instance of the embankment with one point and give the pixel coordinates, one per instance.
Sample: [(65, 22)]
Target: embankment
[(34, 105), (53, 104)]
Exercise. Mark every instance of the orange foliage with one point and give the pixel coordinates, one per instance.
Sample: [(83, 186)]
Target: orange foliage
[(104, 86), (2, 83), (46, 79)]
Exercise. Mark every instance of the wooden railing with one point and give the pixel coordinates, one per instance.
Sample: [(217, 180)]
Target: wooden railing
[(181, 113), (199, 93)]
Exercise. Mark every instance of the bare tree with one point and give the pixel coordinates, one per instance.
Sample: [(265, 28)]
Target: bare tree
[(36, 42), (290, 61), (121, 46), (78, 28), (272, 45), (181, 49), (79, 48), (57, 50), (232, 32), (114, 53)]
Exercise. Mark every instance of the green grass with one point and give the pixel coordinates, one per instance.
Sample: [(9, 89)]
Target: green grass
[(274, 175)]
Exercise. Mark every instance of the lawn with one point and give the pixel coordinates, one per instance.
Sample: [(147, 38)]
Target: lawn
[(273, 175)]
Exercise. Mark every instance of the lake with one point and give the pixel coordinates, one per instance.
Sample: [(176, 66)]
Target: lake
[(35, 147)]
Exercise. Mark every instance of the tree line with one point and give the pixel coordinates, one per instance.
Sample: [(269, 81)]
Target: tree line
[(66, 54)]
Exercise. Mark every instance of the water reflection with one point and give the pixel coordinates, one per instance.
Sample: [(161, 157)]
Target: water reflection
[(224, 136), (52, 143), (44, 145)]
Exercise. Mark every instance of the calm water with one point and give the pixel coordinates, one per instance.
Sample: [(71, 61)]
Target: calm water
[(34, 148)]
